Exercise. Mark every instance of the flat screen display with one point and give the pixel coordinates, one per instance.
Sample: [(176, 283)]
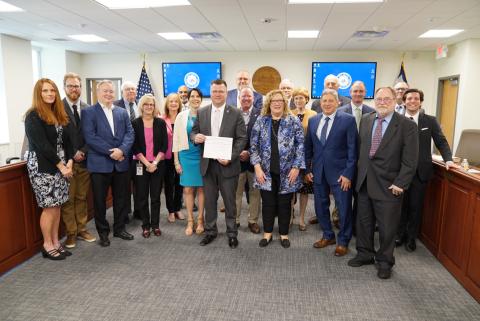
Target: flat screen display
[(191, 74), (347, 73)]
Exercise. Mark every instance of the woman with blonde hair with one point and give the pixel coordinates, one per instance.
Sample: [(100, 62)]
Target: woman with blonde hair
[(187, 160), (49, 161), (149, 150)]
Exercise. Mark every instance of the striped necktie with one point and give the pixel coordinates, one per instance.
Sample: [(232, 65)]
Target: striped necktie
[(132, 112), (376, 138)]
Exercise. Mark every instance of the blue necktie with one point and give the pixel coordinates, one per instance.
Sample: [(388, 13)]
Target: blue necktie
[(323, 134)]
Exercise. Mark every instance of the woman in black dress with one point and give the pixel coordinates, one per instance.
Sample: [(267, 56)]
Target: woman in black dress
[(49, 161)]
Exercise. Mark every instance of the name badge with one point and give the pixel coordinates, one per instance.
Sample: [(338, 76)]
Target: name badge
[(139, 169)]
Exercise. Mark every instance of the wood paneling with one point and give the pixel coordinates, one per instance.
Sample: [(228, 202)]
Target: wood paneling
[(431, 218)]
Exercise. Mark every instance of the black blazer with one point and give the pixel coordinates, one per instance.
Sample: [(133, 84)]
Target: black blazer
[(78, 142), (160, 139), (253, 118), (42, 139), (395, 161), (428, 128)]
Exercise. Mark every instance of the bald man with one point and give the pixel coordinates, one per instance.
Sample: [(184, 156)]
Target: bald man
[(400, 88), (233, 96), (286, 86), (330, 82)]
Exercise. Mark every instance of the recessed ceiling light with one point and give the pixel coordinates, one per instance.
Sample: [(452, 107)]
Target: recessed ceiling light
[(175, 35), (88, 38), (137, 4), (330, 1), (439, 33), (302, 33), (7, 7)]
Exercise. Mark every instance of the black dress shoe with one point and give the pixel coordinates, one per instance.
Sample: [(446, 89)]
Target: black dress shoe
[(237, 225), (285, 243), (62, 250), (384, 273), (358, 261), (54, 254), (399, 241), (410, 245), (124, 235), (265, 242), (104, 241), (233, 242), (207, 239)]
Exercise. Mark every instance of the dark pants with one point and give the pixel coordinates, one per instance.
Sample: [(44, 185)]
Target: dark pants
[(213, 182), (173, 189), (343, 201), (149, 184), (118, 181), (132, 191), (275, 204), (387, 215), (412, 209)]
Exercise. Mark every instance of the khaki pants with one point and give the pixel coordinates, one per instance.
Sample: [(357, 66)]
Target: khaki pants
[(75, 211), (254, 197)]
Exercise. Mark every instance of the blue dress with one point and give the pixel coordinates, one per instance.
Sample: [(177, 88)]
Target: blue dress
[(190, 161)]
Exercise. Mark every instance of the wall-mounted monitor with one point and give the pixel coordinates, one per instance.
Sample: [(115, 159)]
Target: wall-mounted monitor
[(192, 74), (347, 73)]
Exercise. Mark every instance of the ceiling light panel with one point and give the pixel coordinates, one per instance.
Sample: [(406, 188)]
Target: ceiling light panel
[(139, 4), (7, 7), (440, 33), (175, 35), (302, 33), (88, 38)]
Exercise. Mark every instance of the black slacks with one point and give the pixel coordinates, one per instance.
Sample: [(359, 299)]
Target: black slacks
[(275, 204), (387, 215), (149, 184), (412, 209), (118, 181), (173, 189)]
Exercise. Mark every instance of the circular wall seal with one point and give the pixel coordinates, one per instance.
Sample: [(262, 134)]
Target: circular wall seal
[(265, 79), (344, 80), (191, 80)]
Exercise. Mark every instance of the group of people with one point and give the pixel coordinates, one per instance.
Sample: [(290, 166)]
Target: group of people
[(376, 162)]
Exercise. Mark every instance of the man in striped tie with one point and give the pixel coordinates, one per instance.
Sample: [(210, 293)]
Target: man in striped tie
[(386, 166)]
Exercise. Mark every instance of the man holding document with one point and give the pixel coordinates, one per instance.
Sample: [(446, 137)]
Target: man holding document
[(221, 131)]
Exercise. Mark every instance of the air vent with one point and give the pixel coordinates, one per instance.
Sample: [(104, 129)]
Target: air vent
[(205, 35), (60, 39), (370, 34)]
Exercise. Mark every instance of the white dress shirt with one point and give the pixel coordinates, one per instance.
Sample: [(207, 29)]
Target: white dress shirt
[(322, 123), (70, 104), (415, 117), (220, 110), (109, 114)]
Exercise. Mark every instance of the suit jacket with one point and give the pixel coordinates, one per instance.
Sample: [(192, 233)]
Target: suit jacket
[(253, 118), (76, 129), (121, 103), (428, 128), (338, 157), (99, 138), (160, 139), (395, 161), (233, 94), (232, 126), (42, 139), (342, 100), (347, 108)]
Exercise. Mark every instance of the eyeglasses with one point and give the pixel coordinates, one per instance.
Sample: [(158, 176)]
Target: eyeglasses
[(278, 101), (385, 100), (401, 89), (73, 86)]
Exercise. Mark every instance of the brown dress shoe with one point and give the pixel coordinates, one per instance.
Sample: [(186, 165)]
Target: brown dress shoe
[(222, 209), (71, 241), (323, 243), (86, 236), (254, 228), (341, 250), (313, 220), (336, 223)]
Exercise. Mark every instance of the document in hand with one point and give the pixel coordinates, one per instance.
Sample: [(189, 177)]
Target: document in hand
[(218, 147)]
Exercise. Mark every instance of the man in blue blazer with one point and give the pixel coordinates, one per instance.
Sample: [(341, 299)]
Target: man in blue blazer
[(233, 96), (331, 156), (109, 135)]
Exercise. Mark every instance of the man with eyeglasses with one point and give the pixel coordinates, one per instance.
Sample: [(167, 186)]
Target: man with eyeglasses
[(182, 92), (400, 88), (386, 166), (75, 210)]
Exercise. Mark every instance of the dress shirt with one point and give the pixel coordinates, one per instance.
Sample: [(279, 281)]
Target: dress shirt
[(322, 123), (400, 109), (246, 115), (70, 104), (415, 117), (220, 110), (135, 108), (385, 123), (109, 114)]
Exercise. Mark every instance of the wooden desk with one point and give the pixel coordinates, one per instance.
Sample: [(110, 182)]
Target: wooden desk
[(451, 224)]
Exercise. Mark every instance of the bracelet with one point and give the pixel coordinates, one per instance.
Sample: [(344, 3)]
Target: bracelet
[(155, 163)]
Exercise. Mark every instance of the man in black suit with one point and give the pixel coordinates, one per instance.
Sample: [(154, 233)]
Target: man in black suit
[(221, 120), (428, 128), (129, 103), (400, 88), (386, 166), (75, 210), (330, 82), (286, 86)]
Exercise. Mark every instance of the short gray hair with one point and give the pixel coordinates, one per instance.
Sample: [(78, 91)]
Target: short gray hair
[(129, 84), (103, 82), (330, 92)]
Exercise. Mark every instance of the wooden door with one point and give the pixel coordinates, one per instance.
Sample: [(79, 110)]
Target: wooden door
[(447, 108)]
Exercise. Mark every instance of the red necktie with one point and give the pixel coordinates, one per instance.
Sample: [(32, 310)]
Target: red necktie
[(377, 137)]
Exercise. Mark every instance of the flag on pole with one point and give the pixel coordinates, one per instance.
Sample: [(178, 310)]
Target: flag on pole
[(401, 75), (143, 86)]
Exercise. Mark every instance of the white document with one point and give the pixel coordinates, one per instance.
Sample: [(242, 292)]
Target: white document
[(218, 147)]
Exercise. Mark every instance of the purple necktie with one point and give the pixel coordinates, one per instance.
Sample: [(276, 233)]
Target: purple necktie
[(377, 137)]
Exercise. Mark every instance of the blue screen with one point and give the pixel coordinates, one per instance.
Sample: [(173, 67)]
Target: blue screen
[(191, 74), (347, 73)]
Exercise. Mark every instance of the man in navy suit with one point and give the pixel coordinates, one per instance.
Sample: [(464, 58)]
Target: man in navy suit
[(233, 96), (331, 155), (109, 135)]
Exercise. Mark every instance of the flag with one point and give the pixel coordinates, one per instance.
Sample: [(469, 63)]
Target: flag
[(143, 86), (401, 75)]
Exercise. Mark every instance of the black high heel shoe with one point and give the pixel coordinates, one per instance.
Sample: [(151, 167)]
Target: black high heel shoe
[(52, 254), (61, 250)]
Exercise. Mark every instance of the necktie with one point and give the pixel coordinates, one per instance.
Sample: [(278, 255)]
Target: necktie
[(132, 112), (76, 115), (376, 138), (216, 122), (358, 116), (323, 134)]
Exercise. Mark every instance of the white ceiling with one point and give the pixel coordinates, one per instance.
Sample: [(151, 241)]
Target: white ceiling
[(239, 23)]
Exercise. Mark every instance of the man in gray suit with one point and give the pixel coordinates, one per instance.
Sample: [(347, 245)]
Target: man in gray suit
[(330, 82), (75, 211), (386, 166), (222, 120), (400, 88)]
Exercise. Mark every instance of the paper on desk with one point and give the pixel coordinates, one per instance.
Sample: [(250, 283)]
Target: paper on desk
[(473, 171), (218, 147)]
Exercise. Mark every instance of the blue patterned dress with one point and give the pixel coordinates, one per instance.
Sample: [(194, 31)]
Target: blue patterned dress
[(190, 160)]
